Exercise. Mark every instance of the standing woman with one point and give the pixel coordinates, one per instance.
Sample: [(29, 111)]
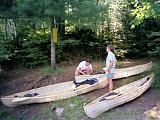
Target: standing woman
[(110, 66)]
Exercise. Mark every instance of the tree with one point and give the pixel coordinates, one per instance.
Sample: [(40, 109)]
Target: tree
[(144, 9), (72, 12)]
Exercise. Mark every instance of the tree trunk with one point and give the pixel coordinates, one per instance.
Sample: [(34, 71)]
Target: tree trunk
[(53, 56), (11, 29)]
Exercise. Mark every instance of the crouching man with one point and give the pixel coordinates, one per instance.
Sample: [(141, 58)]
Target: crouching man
[(84, 68)]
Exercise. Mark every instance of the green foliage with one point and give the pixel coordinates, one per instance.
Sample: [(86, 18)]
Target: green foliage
[(90, 17), (41, 8), (155, 53), (91, 43), (154, 44), (65, 46), (5, 52), (142, 10), (6, 10), (156, 71), (35, 50)]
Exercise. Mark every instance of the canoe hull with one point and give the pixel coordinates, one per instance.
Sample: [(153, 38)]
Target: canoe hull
[(11, 101), (93, 110), (119, 73)]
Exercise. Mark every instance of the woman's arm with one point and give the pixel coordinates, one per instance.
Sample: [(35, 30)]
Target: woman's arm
[(110, 66)]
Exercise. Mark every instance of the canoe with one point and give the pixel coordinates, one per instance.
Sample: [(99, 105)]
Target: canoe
[(118, 97), (50, 93), (119, 73)]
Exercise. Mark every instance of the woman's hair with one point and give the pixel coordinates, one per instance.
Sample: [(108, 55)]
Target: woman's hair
[(111, 47)]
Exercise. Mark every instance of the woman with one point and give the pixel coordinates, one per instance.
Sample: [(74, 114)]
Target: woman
[(110, 66)]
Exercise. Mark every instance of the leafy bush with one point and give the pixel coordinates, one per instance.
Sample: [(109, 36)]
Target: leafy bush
[(155, 53), (156, 70), (35, 50), (66, 46), (154, 44)]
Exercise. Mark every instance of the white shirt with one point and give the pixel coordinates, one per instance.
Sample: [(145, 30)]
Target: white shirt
[(82, 66)]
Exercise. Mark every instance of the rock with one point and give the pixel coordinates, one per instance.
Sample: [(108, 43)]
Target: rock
[(153, 114), (72, 105), (59, 111)]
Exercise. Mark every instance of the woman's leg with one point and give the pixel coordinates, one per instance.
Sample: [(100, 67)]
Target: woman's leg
[(110, 82)]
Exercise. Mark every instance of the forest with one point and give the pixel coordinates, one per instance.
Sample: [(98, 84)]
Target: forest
[(50, 37)]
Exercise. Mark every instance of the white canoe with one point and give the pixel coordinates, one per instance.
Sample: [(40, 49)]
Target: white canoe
[(51, 93), (119, 73), (121, 95)]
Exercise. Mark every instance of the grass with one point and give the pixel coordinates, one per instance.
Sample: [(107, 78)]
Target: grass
[(48, 71), (156, 71), (7, 116), (73, 110), (121, 114)]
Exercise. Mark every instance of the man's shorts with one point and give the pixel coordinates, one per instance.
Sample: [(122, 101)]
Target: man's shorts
[(109, 75)]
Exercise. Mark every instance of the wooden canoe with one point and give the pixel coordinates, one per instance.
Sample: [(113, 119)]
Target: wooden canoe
[(51, 93), (119, 73), (121, 95)]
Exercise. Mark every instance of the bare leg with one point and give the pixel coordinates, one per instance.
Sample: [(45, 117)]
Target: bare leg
[(77, 72), (110, 84)]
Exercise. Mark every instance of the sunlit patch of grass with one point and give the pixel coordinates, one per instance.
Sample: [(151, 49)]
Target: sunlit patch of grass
[(120, 64), (48, 71), (73, 110)]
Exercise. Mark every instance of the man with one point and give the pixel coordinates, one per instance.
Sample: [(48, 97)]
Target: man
[(110, 66), (84, 68)]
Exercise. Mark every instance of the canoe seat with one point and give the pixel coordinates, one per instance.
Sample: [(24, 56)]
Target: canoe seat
[(145, 81), (27, 95), (31, 95), (110, 96)]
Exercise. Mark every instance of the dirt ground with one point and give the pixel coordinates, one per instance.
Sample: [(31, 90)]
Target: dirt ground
[(23, 79)]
